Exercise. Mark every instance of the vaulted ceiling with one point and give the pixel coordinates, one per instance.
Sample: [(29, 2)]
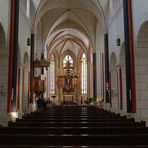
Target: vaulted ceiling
[(69, 24)]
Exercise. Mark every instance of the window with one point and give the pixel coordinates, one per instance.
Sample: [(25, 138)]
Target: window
[(84, 74), (28, 8), (67, 58), (67, 61), (51, 76)]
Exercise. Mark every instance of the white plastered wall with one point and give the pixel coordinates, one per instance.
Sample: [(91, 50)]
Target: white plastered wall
[(4, 48), (140, 16), (99, 51), (114, 85), (123, 73), (141, 71), (4, 16), (115, 31), (25, 73), (3, 75), (24, 33)]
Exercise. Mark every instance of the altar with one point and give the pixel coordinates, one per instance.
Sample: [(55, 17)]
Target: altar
[(68, 82), (69, 98)]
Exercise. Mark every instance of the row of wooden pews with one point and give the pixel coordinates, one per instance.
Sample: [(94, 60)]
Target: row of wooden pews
[(74, 126)]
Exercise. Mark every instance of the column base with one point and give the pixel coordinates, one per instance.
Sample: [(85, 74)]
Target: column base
[(5, 117)]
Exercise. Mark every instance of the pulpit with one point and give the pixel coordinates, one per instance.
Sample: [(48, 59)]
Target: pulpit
[(39, 86), (39, 80)]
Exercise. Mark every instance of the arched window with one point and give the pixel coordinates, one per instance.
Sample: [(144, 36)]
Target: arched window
[(84, 74), (68, 61), (51, 76), (67, 58)]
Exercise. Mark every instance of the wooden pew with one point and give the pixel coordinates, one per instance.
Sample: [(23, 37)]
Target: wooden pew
[(76, 124), (74, 127), (74, 120), (74, 130), (73, 140)]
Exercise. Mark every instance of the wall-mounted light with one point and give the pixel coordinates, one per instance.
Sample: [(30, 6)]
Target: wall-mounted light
[(14, 116), (28, 42), (118, 42)]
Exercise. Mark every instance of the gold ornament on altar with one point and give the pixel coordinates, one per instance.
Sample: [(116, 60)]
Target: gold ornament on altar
[(68, 82)]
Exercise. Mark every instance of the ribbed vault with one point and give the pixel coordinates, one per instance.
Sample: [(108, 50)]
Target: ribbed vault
[(69, 25)]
